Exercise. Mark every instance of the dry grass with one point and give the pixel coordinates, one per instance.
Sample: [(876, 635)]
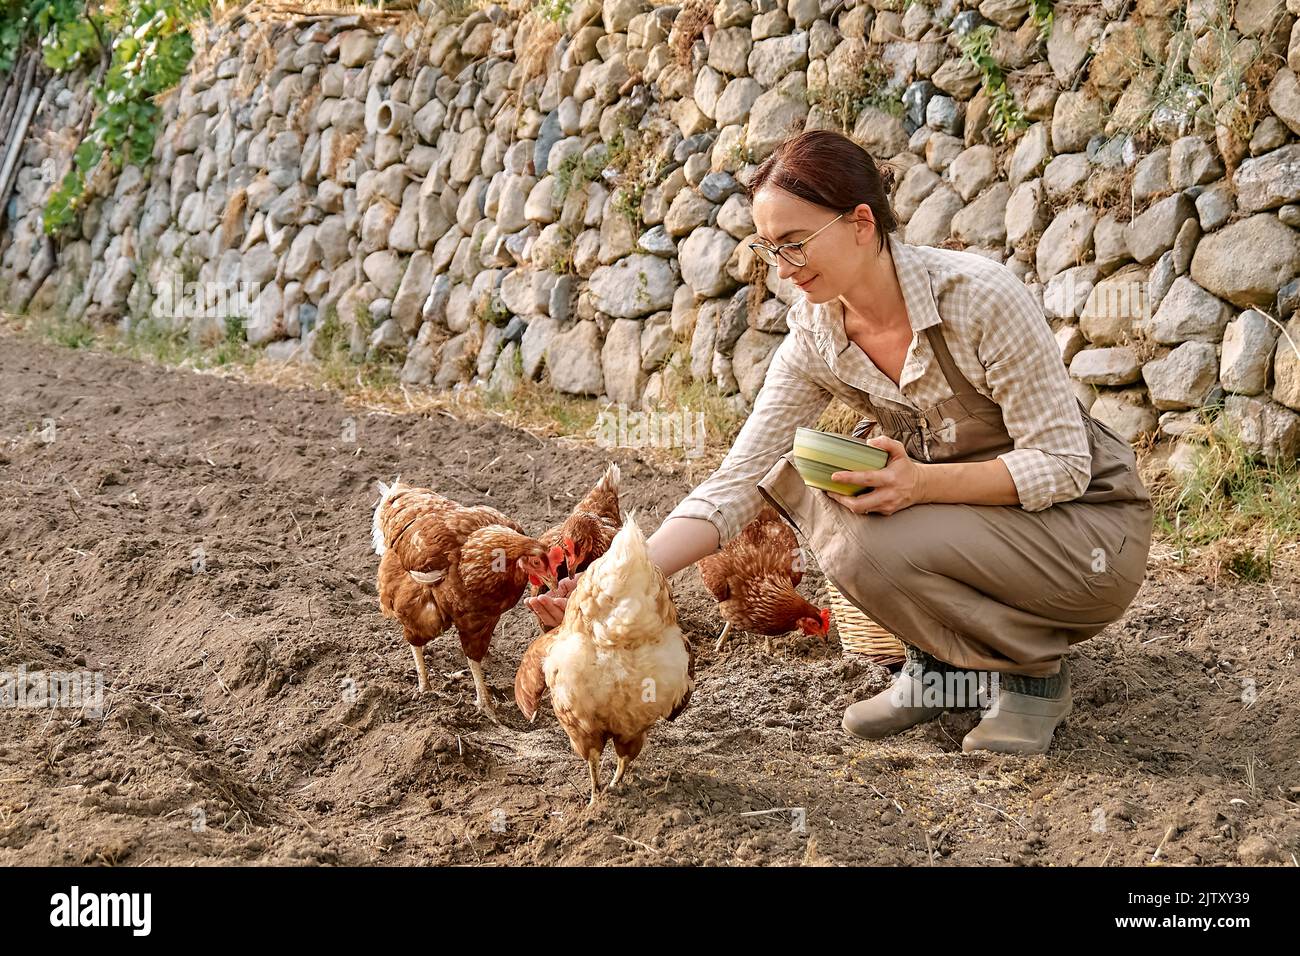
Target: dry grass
[(839, 418), (534, 407), (1106, 190), (1255, 82), (232, 221), (534, 59), (1231, 517), (388, 12), (300, 113), (345, 147), (1027, 248), (689, 27), (868, 84), (1114, 194), (543, 36), (1240, 85), (1145, 348), (201, 33)]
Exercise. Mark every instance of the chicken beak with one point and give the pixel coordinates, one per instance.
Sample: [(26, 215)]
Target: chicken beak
[(554, 558)]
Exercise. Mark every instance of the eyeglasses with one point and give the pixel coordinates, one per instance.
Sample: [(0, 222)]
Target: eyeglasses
[(791, 252)]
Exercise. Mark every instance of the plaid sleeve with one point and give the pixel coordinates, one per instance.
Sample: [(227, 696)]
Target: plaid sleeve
[(1051, 460), (790, 397)]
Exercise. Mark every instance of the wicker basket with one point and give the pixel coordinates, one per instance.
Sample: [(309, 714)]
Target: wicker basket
[(859, 634)]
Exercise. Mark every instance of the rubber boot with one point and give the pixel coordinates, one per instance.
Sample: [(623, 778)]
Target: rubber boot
[(1024, 715), (899, 706)]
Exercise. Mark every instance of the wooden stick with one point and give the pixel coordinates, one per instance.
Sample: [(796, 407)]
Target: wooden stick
[(1001, 813), (17, 89), (644, 846), (13, 92), (1168, 833), (10, 169), (14, 96)]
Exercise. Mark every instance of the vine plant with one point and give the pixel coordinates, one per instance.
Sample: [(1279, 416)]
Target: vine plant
[(1005, 116), (144, 47)]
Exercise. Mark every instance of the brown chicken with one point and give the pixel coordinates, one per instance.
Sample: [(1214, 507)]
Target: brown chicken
[(442, 564), (755, 579), (618, 663), (585, 535)]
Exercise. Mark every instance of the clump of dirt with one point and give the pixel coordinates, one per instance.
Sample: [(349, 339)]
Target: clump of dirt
[(204, 545)]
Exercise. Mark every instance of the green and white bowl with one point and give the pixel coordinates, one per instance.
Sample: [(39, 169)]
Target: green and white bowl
[(818, 455)]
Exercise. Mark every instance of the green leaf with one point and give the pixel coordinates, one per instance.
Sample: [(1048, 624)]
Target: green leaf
[(149, 48)]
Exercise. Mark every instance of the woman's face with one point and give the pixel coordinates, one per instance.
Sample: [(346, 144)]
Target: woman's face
[(836, 256)]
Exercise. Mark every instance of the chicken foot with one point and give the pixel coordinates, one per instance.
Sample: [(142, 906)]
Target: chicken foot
[(482, 696)]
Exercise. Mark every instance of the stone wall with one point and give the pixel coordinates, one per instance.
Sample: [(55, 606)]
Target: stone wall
[(504, 196)]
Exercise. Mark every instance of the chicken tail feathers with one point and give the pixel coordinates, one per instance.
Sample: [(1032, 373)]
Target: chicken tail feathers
[(530, 679), (690, 677), (376, 526), (611, 477), (602, 499)]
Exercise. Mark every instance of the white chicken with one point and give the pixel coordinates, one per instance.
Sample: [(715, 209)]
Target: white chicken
[(617, 663)]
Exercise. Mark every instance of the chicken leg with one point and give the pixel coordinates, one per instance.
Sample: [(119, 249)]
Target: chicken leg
[(417, 651), (593, 769), (722, 638), (618, 773), (482, 695)]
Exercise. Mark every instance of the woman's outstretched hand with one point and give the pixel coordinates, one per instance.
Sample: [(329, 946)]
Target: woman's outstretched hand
[(900, 484), (549, 607)]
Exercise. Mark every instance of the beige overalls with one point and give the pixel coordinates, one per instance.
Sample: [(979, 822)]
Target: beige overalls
[(988, 587)]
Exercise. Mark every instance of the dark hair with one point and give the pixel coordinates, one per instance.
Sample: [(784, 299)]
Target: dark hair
[(829, 169)]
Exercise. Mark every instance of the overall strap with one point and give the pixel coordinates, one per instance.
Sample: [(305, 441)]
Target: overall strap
[(958, 382)]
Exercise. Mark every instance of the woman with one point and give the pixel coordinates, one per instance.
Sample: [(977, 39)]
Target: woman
[(1007, 525)]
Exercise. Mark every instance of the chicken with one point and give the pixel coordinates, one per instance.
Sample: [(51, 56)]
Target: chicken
[(585, 535), (754, 579), (442, 564), (617, 664)]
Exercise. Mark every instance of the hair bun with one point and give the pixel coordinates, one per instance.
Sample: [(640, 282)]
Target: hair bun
[(887, 176)]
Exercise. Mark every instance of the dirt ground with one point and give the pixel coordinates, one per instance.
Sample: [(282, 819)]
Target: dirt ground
[(259, 709)]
